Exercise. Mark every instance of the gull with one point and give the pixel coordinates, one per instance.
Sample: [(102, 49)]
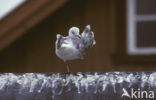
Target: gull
[(74, 46)]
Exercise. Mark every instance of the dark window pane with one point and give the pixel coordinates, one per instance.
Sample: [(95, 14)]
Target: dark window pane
[(146, 6), (146, 34)]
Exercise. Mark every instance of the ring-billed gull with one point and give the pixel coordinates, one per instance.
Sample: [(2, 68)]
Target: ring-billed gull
[(74, 46)]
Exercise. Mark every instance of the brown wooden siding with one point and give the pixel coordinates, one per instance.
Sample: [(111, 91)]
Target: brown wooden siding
[(35, 51)]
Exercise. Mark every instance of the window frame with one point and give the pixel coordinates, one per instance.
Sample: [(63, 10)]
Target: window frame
[(121, 56), (132, 19)]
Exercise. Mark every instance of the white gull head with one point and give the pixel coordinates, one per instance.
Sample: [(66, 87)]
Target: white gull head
[(73, 31), (74, 46)]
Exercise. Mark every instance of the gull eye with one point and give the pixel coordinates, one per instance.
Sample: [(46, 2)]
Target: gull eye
[(73, 32)]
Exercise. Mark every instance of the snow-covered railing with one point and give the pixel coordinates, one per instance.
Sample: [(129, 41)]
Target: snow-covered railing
[(77, 86)]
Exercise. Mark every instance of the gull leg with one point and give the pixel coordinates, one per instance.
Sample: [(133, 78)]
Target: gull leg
[(68, 68)]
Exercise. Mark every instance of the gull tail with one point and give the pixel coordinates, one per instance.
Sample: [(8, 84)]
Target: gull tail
[(87, 38)]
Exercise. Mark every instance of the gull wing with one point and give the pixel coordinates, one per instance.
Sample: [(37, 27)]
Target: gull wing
[(59, 41), (87, 39)]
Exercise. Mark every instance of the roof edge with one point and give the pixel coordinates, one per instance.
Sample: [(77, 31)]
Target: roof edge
[(25, 17)]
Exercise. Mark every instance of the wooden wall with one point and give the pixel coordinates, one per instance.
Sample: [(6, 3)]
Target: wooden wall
[(35, 51)]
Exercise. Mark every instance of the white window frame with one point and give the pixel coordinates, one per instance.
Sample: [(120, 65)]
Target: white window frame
[(132, 18)]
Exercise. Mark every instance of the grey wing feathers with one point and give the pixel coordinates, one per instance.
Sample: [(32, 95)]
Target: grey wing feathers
[(59, 41), (87, 37)]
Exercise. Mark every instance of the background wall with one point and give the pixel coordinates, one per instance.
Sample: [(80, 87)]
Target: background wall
[(35, 51)]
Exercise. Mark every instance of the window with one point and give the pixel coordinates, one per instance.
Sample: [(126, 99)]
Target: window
[(141, 27), (135, 32)]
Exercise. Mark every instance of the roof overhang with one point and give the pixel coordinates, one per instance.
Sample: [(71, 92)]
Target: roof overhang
[(24, 17)]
